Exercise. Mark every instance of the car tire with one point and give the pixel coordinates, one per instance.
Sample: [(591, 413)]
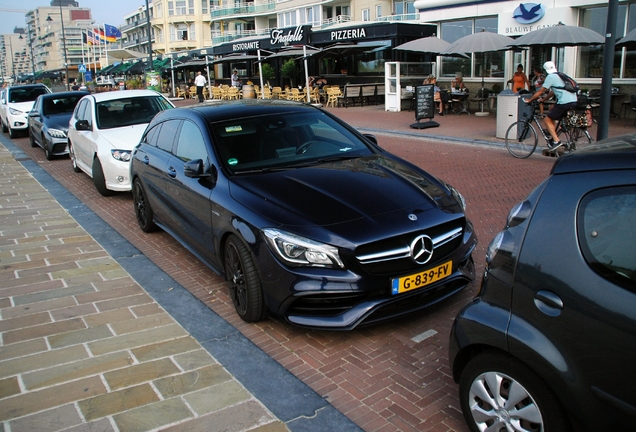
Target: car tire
[(487, 407), (99, 180), (32, 141), (13, 133), (143, 211), (5, 129), (47, 149), (242, 277), (71, 154)]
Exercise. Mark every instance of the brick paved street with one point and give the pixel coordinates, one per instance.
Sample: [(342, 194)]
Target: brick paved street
[(386, 377)]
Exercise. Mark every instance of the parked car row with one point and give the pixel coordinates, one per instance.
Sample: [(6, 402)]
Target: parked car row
[(313, 222)]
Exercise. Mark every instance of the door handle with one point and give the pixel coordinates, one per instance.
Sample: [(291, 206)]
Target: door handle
[(548, 302), (146, 160)]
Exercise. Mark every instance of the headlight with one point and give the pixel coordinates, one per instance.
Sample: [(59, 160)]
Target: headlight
[(299, 251), (14, 111), (121, 155), (56, 133)]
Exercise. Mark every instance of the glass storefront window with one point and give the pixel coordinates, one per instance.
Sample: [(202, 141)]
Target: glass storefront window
[(490, 65), (590, 62)]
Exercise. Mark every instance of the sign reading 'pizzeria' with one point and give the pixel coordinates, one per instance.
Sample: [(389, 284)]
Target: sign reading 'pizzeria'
[(348, 34)]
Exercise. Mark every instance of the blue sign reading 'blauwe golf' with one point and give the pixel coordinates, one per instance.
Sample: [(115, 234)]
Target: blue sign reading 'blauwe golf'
[(527, 13)]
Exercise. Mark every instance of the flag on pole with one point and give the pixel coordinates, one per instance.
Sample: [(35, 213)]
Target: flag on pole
[(99, 35), (111, 33), (89, 38)]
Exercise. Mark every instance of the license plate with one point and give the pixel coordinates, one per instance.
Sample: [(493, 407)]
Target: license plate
[(418, 280)]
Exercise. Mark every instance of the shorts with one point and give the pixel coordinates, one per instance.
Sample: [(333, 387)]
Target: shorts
[(558, 111)]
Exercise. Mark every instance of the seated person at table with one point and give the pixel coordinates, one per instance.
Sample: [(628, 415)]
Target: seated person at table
[(458, 83), (431, 80)]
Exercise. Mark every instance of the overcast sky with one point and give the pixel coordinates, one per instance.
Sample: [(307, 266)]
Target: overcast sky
[(103, 11)]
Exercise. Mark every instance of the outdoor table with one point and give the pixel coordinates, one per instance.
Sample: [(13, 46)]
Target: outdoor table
[(463, 97)]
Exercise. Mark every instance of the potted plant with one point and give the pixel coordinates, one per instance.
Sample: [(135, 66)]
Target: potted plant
[(289, 69), (268, 72)]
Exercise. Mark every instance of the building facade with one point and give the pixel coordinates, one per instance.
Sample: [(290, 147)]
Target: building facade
[(12, 49)]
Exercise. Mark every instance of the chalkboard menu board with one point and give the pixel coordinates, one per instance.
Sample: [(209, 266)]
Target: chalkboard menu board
[(424, 102)]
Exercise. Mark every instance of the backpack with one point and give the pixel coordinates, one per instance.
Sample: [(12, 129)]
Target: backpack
[(569, 84)]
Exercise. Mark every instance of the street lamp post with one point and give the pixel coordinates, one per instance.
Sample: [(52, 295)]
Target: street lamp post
[(49, 19)]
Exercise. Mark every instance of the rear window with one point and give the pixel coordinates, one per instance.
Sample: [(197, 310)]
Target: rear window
[(607, 233), (129, 111)]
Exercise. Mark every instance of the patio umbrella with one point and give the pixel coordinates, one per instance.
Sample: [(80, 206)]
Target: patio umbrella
[(628, 41), (481, 42), (430, 44), (559, 35)]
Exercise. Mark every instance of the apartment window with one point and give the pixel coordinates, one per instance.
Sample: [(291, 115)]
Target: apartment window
[(404, 7), (366, 15), (180, 7), (158, 9), (170, 8), (378, 11), (205, 6), (193, 33), (190, 7)]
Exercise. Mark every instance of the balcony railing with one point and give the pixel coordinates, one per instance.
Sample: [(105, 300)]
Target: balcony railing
[(335, 20), (403, 17), (242, 9), (227, 36)]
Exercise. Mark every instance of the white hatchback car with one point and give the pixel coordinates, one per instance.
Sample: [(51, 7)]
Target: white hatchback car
[(104, 129), (15, 104)]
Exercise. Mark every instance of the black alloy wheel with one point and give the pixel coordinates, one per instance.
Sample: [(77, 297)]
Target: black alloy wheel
[(242, 277)]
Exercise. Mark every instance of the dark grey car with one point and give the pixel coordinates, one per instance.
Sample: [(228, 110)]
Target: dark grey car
[(48, 121), (550, 342)]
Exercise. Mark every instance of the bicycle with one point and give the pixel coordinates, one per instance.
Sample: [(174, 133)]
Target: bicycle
[(522, 138)]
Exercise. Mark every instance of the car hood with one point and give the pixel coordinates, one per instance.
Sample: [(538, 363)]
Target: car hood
[(58, 121), (358, 194), (123, 138), (25, 107)]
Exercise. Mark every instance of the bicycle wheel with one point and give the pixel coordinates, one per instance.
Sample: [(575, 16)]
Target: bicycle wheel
[(577, 138), (521, 139)]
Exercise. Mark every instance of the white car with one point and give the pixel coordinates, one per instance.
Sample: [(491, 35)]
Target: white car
[(104, 129), (15, 104)]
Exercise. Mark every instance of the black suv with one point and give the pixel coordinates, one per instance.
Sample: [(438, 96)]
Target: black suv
[(549, 344)]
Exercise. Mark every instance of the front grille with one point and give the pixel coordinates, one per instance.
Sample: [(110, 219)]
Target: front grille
[(59, 148), (393, 255)]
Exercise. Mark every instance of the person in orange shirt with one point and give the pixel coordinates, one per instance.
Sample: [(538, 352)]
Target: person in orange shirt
[(519, 80)]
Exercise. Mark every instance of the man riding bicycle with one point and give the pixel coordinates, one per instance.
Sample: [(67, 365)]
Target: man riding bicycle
[(553, 85)]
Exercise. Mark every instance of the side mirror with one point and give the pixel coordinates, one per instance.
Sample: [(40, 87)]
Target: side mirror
[(34, 114), (371, 138), (194, 169), (82, 125)]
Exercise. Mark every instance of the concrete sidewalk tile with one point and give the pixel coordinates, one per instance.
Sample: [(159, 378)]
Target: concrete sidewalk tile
[(41, 360), (135, 340), (22, 290), (191, 381), (9, 387), (28, 403), (143, 323), (47, 269), (53, 420), (118, 303), (102, 269), (194, 360), (75, 256), (109, 317), (217, 397), (55, 374), (73, 312), (15, 282), (165, 348), (27, 309), (153, 416), (101, 425), (22, 349), (80, 336), (52, 294), (139, 373), (249, 415), (10, 269), (116, 402), (126, 289), (145, 310), (24, 321), (42, 330)]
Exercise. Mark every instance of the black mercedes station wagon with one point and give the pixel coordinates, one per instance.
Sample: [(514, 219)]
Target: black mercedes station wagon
[(305, 218), (550, 342)]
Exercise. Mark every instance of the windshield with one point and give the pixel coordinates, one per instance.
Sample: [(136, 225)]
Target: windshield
[(283, 141), (17, 95), (129, 111)]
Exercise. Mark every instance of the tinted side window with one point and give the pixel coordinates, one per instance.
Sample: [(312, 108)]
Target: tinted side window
[(607, 233), (191, 144), (167, 134), (79, 112), (151, 135)]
